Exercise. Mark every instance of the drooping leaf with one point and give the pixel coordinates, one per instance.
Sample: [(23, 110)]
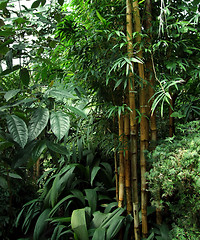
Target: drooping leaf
[(78, 111), (10, 94), (55, 147), (59, 124), (18, 130), (41, 224), (38, 150), (37, 123), (78, 223), (24, 76)]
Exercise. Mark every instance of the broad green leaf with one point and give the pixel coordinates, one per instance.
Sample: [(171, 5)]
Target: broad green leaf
[(114, 227), (99, 234), (54, 209), (24, 76), (37, 123), (78, 112), (18, 130), (38, 150), (10, 94), (41, 224), (55, 147), (60, 124), (14, 175), (78, 223), (91, 196), (35, 4), (60, 94), (3, 182), (94, 173)]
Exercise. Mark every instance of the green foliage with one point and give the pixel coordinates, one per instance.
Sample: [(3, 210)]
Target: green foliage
[(175, 174)]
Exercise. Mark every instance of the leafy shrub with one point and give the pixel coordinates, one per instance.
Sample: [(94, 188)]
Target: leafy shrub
[(174, 180)]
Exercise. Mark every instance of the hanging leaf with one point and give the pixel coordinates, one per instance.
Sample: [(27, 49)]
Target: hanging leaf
[(38, 150), (59, 124), (37, 123), (24, 76), (18, 129), (35, 4), (10, 94)]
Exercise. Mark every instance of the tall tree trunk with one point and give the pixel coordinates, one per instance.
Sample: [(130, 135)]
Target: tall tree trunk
[(144, 128), (121, 161), (133, 125)]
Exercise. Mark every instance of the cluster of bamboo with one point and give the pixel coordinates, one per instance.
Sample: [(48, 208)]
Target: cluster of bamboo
[(127, 182)]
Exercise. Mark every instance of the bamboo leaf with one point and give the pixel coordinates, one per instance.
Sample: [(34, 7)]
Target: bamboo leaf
[(38, 122), (59, 124), (18, 129)]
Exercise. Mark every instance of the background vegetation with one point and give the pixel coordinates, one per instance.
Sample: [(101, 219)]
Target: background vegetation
[(99, 120)]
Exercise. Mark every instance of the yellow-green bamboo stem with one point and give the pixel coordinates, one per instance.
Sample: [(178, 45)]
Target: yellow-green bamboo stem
[(133, 125), (121, 162), (144, 129)]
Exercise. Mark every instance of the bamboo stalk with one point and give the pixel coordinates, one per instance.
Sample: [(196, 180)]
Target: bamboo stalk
[(151, 78), (116, 177), (133, 126), (144, 129), (121, 161), (127, 165)]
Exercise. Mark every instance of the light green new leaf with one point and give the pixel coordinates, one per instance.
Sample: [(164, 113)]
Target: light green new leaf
[(41, 224), (78, 223), (37, 123), (18, 130), (10, 94), (59, 124)]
